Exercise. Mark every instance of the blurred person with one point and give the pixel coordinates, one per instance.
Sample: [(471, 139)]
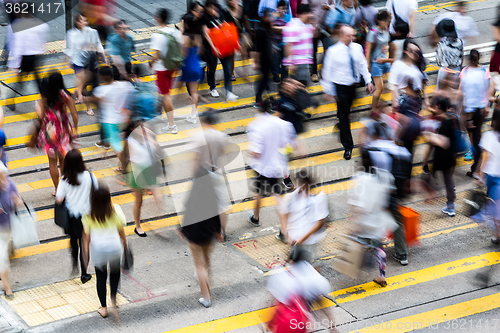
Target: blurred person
[(159, 43), (366, 13), (112, 97), (240, 19), (288, 105), (273, 6), (495, 56), (396, 46), (444, 155), (27, 38), (385, 154), (390, 126), (145, 169), (449, 88), (378, 39), (3, 139), (450, 50), (56, 132), (82, 47), (490, 165), (75, 188), (279, 70), (214, 16), (303, 215), (405, 11), (370, 200), (267, 137), (9, 199), (408, 80), (192, 72), (262, 57), (298, 39), (476, 85), (320, 9), (297, 290), (120, 46), (101, 15), (104, 242), (466, 28), (342, 14), (206, 207), (343, 67)]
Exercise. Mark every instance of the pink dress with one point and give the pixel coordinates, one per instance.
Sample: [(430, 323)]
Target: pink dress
[(55, 135)]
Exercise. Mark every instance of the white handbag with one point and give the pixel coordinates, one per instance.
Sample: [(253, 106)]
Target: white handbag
[(23, 226)]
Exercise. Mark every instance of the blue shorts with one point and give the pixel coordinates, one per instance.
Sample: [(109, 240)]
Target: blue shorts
[(493, 186), (77, 68), (380, 69), (112, 135)]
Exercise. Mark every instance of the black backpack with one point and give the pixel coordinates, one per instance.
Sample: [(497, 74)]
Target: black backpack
[(401, 167), (399, 23)]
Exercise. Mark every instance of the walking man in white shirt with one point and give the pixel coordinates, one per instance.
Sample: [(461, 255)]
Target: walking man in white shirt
[(268, 137), (343, 67)]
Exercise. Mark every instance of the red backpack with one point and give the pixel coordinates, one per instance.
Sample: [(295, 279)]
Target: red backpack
[(291, 318)]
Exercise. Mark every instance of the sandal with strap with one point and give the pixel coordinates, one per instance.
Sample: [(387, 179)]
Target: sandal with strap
[(90, 112)]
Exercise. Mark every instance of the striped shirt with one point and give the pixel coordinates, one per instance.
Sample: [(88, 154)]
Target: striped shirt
[(300, 36)]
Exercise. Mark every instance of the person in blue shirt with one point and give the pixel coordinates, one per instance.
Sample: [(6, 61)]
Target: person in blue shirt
[(343, 13), (120, 47)]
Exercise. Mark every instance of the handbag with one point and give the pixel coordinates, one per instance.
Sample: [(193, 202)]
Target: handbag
[(128, 260), (34, 133), (23, 226), (296, 312), (225, 39), (61, 216)]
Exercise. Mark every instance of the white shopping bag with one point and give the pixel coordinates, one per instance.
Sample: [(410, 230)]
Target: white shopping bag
[(23, 225)]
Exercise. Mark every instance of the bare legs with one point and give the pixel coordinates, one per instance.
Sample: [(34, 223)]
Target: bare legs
[(169, 109), (379, 87), (201, 258), (54, 170)]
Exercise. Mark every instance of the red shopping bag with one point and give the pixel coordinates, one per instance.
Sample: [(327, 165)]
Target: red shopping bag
[(225, 39), (293, 318), (411, 223)]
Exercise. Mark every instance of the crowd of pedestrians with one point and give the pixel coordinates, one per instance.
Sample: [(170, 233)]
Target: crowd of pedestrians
[(363, 47)]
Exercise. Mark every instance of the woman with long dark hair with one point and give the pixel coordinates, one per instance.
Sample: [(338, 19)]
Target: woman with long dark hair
[(56, 132), (75, 187), (104, 241)]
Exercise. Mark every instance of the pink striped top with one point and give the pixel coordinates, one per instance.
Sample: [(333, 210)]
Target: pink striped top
[(300, 35)]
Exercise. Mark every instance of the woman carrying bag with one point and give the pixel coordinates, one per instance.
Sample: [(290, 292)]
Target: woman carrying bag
[(9, 199), (104, 241), (74, 192)]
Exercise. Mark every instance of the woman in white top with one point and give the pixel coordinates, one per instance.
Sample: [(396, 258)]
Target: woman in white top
[(75, 187), (408, 81), (490, 165), (82, 46)]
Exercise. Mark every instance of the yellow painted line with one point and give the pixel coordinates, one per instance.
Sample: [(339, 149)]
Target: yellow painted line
[(257, 317), (443, 5), (23, 139), (444, 318)]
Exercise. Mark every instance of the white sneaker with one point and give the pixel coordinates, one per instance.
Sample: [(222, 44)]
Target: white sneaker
[(191, 119), (170, 129), (214, 93), (230, 97)]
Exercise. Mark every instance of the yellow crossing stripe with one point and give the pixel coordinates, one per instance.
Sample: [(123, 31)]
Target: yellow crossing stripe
[(257, 317), (442, 319)]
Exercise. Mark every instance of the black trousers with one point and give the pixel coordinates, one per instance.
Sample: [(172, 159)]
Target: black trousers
[(75, 240), (345, 97), (101, 274), (263, 83), (477, 120)]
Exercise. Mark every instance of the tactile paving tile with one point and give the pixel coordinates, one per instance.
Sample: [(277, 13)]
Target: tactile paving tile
[(38, 318), (58, 301), (269, 252)]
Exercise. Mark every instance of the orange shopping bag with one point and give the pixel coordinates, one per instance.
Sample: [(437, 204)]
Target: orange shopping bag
[(225, 39), (411, 223)]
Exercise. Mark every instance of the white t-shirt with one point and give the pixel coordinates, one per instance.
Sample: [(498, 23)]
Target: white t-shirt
[(464, 25), (77, 197), (490, 142), (475, 84), (403, 9), (303, 214), (159, 42), (401, 74), (114, 97)]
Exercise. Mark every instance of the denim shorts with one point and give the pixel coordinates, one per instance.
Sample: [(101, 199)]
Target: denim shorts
[(380, 69)]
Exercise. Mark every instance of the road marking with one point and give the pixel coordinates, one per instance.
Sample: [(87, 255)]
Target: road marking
[(444, 317), (358, 292)]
